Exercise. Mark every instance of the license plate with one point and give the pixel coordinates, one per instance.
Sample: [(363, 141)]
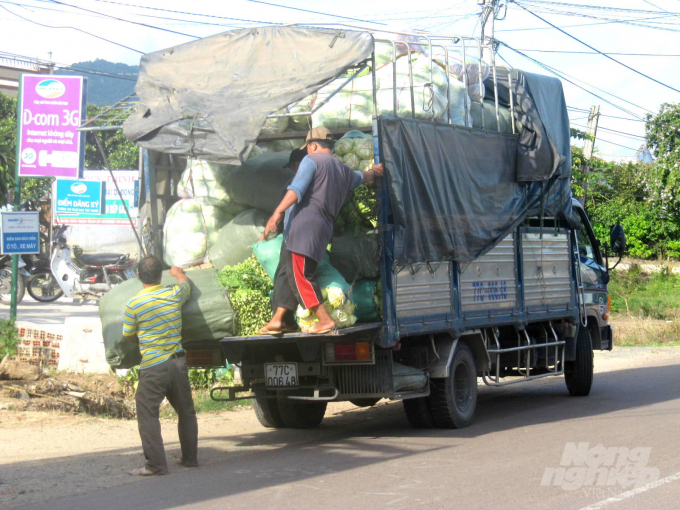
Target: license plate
[(129, 273), (281, 374)]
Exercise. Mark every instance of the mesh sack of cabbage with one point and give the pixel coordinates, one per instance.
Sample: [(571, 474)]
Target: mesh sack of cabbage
[(249, 287), (232, 243), (435, 97), (204, 181), (189, 231), (337, 305)]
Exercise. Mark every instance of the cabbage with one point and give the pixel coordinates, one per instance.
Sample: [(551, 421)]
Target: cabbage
[(344, 146), (363, 148), (190, 229), (336, 304), (204, 181), (351, 160)]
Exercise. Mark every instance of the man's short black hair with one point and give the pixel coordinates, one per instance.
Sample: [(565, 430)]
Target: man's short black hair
[(326, 144), (150, 270)]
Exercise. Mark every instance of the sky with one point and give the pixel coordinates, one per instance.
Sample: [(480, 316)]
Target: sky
[(122, 30)]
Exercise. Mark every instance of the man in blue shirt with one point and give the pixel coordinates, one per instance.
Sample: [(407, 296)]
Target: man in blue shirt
[(311, 204)]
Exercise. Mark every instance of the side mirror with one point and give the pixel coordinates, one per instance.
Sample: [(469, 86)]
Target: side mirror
[(617, 239)]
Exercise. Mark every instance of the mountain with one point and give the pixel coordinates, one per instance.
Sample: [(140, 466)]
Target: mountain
[(115, 82)]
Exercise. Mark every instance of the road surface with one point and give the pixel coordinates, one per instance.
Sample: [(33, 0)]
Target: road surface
[(370, 458)]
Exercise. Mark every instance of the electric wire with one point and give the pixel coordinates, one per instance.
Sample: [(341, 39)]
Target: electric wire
[(595, 49), (124, 20), (561, 75), (71, 28), (613, 131), (314, 12), (607, 53)]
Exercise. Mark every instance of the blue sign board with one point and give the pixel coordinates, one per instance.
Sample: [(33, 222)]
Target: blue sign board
[(20, 232), (77, 196)]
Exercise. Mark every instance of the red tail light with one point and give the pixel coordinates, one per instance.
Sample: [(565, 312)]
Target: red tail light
[(350, 352)]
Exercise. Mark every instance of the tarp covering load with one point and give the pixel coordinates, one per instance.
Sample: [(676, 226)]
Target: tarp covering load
[(544, 147), (190, 229), (207, 315), (452, 191), (210, 98)]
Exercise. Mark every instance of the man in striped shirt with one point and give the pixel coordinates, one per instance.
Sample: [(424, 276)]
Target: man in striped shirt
[(154, 319)]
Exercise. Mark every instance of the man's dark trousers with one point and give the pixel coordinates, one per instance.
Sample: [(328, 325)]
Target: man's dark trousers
[(168, 379)]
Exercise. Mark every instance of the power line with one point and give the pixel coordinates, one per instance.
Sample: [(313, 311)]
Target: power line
[(595, 49), (562, 75), (124, 20), (314, 12), (613, 131), (603, 115), (607, 53), (72, 28)]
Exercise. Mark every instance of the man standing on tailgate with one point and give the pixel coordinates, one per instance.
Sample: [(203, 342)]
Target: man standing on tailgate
[(311, 204)]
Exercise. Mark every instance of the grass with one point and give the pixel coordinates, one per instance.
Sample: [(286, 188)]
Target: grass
[(645, 296), (204, 404), (645, 308)]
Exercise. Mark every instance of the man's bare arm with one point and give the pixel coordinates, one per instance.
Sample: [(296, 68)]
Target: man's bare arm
[(178, 273), (289, 199), (375, 171)]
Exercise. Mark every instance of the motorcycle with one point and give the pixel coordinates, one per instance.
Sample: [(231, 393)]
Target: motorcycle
[(41, 283), (6, 279), (90, 277)]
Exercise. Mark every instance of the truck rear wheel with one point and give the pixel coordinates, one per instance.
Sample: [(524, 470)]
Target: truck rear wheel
[(300, 414), (578, 374), (267, 412), (418, 412), (453, 400)]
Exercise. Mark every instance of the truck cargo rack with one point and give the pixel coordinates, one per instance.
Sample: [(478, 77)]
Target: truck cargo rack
[(525, 371)]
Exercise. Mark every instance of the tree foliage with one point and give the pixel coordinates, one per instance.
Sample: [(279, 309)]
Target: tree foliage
[(121, 153)]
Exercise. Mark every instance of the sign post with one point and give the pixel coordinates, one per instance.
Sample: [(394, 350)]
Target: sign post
[(49, 112)]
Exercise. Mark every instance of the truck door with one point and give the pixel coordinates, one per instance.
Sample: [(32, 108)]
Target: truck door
[(593, 273)]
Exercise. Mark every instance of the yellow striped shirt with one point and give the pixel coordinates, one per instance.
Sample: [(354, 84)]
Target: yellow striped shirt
[(155, 316)]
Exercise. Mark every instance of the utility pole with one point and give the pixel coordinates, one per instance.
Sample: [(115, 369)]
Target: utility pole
[(487, 22), (50, 66), (589, 146)]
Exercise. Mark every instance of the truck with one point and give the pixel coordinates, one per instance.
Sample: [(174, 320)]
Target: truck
[(490, 271)]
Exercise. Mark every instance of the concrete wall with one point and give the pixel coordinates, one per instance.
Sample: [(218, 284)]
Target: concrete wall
[(103, 239)]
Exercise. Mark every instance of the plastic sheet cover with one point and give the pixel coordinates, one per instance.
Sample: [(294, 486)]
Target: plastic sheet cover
[(453, 190), (209, 98)]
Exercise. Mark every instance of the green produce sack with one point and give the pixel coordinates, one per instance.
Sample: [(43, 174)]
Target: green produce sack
[(362, 295), (207, 315), (261, 181), (232, 245), (268, 254), (356, 256)]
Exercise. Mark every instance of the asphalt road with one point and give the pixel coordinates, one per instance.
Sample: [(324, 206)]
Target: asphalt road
[(51, 315), (372, 459)]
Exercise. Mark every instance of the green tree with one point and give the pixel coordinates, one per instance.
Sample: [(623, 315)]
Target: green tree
[(121, 152), (663, 139)]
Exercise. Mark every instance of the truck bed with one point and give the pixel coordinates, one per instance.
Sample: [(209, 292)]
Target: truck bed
[(343, 333)]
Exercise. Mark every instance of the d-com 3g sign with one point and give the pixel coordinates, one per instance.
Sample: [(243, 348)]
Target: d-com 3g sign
[(51, 111)]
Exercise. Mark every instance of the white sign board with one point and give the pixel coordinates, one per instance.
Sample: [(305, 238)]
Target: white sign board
[(20, 233)]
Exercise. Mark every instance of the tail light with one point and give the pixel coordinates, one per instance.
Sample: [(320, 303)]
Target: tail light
[(91, 279), (348, 352)]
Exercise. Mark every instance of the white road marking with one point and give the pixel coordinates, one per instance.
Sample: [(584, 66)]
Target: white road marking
[(633, 492)]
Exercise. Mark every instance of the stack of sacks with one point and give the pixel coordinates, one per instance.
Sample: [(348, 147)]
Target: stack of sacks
[(353, 105), (191, 224)]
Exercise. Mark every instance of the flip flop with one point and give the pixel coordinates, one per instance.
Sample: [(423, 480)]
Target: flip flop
[(141, 472), (320, 332), (264, 331)]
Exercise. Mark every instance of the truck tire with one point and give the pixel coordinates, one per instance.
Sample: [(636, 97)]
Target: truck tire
[(300, 414), (578, 374), (364, 402), (267, 412), (418, 412), (453, 400)]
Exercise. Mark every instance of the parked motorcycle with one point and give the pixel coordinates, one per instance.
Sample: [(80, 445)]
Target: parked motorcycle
[(6, 279), (41, 284), (91, 277)]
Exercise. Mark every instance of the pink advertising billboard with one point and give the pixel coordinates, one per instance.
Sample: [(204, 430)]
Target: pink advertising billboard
[(50, 113)]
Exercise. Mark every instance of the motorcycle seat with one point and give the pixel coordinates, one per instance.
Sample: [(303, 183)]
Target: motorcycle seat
[(102, 259)]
